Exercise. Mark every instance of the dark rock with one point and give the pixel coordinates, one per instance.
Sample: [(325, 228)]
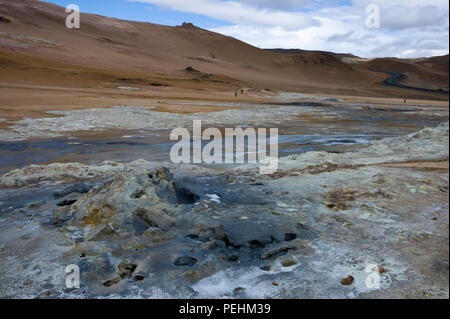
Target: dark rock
[(185, 196), (4, 20), (185, 261), (67, 202), (139, 276), (193, 237), (188, 25), (232, 258), (126, 269), (190, 69), (111, 282), (290, 236)]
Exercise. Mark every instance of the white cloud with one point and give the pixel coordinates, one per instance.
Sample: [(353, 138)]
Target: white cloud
[(408, 28), (280, 4), (238, 12)]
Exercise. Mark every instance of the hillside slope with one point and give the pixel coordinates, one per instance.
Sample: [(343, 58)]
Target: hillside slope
[(37, 28), (428, 73)]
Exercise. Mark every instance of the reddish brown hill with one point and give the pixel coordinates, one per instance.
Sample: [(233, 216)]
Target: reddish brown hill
[(37, 29), (426, 74), (437, 63)]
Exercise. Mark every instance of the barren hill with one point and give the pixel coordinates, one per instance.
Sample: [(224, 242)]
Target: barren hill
[(438, 63), (428, 73), (37, 29)]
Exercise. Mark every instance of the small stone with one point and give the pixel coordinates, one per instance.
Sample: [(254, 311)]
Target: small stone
[(382, 270), (275, 284), (288, 262), (111, 282), (348, 281)]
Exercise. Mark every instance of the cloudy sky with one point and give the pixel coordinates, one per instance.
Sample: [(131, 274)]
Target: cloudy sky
[(405, 28)]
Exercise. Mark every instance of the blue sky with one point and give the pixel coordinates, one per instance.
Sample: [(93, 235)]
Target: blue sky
[(144, 12), (407, 28)]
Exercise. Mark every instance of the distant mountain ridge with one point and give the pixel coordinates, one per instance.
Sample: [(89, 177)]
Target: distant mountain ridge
[(300, 51)]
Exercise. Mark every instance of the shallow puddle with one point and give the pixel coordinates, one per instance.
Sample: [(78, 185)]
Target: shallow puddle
[(303, 126)]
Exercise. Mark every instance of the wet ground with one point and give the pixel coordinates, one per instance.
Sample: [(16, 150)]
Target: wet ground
[(317, 126)]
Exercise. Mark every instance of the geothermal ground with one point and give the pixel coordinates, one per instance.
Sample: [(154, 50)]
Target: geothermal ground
[(85, 119), (345, 197)]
